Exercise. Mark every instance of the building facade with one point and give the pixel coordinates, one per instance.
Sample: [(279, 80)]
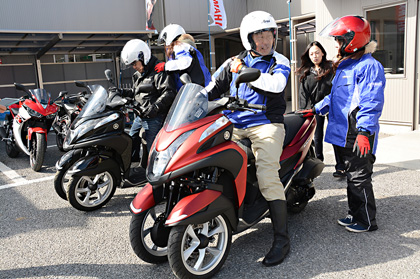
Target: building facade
[(51, 43)]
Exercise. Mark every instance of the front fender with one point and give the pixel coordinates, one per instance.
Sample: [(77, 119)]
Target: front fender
[(40, 130), (201, 207), (94, 164), (68, 159), (143, 200)]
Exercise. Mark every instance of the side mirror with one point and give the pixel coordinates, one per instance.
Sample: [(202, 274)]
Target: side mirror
[(185, 78), (108, 75), (80, 84), (21, 87), (61, 95), (247, 75)]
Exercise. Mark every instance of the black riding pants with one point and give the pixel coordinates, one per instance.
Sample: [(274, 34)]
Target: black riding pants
[(360, 195)]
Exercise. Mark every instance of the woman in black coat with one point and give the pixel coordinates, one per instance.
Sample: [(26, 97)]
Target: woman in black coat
[(316, 74)]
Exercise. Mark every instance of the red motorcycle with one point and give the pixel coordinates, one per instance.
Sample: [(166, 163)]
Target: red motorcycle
[(30, 120), (203, 186)]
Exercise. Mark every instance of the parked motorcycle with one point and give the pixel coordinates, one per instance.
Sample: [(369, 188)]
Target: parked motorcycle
[(99, 151), (30, 119), (6, 131), (203, 186), (69, 106)]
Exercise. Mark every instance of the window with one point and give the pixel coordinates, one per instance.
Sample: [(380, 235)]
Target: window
[(388, 27), (64, 58)]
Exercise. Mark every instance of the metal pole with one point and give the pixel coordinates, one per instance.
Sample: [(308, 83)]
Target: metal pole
[(208, 23), (290, 31)]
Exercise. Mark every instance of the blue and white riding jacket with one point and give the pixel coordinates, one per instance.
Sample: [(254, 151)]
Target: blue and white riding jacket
[(356, 101)]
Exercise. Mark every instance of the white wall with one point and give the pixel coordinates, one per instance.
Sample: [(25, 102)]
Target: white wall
[(74, 15)]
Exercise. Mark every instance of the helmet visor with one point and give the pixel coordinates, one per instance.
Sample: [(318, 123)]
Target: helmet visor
[(333, 29), (124, 66), (129, 62)]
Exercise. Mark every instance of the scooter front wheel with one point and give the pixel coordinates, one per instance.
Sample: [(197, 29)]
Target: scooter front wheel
[(61, 181), (149, 236), (88, 193), (199, 251)]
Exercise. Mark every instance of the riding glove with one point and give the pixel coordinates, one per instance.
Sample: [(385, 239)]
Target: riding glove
[(237, 65), (362, 144), (307, 112), (160, 67)]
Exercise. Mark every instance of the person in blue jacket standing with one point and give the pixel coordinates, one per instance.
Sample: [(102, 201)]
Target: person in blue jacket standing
[(183, 56), (265, 129), (354, 106)]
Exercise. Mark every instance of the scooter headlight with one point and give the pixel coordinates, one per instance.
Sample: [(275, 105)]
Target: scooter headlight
[(161, 159), (51, 116), (104, 121), (80, 131)]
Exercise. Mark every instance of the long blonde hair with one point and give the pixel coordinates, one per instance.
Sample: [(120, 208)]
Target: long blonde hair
[(184, 38)]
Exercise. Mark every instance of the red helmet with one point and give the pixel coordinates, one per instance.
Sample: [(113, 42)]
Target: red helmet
[(353, 30)]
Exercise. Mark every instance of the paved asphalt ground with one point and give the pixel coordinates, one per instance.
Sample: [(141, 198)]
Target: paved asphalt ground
[(42, 236)]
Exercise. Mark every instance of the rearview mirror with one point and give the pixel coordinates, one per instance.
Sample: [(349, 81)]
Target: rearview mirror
[(80, 84), (185, 78), (108, 74), (247, 75)]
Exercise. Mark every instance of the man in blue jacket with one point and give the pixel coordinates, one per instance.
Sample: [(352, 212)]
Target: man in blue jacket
[(265, 129), (354, 106)]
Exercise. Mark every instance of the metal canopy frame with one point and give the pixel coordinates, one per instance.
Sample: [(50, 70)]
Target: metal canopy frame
[(41, 43)]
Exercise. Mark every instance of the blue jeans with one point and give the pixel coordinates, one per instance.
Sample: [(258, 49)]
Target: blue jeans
[(151, 128)]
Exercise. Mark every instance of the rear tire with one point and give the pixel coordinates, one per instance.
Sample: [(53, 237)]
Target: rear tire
[(59, 141), (11, 149), (199, 251), (39, 145)]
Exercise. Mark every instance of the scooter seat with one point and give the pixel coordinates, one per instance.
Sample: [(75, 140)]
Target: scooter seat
[(292, 124)]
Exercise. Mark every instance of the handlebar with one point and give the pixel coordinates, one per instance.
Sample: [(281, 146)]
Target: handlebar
[(258, 107), (241, 104)]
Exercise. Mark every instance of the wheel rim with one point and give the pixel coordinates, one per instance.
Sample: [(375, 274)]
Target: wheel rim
[(203, 246), (146, 229), (103, 183)]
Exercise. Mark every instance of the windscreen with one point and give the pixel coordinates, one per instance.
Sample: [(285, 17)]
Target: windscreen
[(41, 95), (96, 103), (190, 105)]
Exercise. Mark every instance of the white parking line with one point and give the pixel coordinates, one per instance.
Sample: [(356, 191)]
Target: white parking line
[(17, 179), (11, 174), (26, 182)]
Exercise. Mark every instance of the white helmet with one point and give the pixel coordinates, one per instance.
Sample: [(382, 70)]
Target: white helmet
[(135, 50), (255, 22), (170, 33)]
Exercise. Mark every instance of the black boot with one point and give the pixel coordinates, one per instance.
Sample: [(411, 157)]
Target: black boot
[(281, 243)]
